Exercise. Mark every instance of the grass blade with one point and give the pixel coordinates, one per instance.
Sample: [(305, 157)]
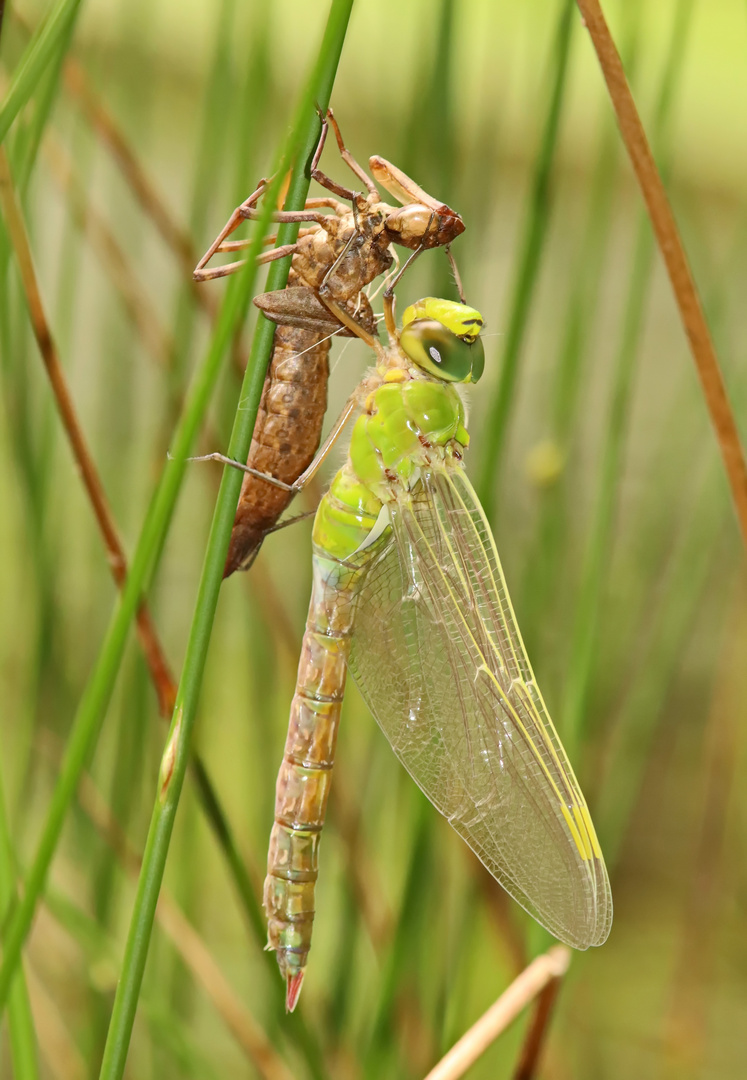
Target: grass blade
[(535, 231), (304, 136), (35, 61), (585, 635)]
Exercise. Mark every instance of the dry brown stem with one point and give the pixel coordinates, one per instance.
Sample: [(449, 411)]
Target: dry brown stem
[(160, 673), (546, 969), (534, 1040), (670, 245)]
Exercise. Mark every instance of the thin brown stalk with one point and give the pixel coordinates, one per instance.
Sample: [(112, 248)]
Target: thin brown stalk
[(155, 658), (500, 909), (534, 1040), (546, 969), (157, 209), (673, 253)]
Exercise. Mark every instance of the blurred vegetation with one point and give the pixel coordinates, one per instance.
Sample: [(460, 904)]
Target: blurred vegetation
[(593, 452)]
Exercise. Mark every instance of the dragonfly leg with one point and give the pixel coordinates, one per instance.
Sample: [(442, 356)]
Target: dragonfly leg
[(348, 409), (349, 160), (455, 272), (347, 320), (291, 521), (321, 178), (308, 473), (331, 304), (225, 460), (389, 318), (248, 210), (339, 208), (251, 213), (200, 272), (231, 268), (271, 238)]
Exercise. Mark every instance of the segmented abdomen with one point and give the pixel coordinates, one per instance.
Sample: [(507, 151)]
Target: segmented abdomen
[(306, 772), (286, 436)]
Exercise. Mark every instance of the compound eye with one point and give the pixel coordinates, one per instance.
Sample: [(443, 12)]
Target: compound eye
[(439, 352)]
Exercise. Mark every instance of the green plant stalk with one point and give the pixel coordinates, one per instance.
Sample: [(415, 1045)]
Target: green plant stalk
[(20, 1019), (208, 152), (303, 139), (404, 938), (35, 61), (97, 694), (586, 629), (210, 145), (100, 954), (535, 232), (46, 98), (542, 569), (686, 580), (25, 149), (661, 635)]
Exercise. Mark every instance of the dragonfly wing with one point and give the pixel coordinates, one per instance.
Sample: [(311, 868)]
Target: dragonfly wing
[(439, 659)]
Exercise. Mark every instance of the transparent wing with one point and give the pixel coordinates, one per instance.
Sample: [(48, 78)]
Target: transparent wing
[(439, 659)]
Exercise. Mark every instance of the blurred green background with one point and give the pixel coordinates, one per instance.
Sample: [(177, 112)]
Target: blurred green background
[(590, 445)]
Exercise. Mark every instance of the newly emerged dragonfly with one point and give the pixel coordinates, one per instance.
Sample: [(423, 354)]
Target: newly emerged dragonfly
[(409, 595), (335, 258)]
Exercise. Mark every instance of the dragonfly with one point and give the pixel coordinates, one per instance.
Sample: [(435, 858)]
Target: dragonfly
[(338, 254), (408, 594)]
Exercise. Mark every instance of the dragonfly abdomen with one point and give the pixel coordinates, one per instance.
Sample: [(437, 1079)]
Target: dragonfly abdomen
[(286, 435), (305, 775)]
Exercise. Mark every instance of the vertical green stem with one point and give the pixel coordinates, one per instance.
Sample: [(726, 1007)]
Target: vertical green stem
[(586, 630), (20, 1020), (535, 232), (303, 140), (35, 61)]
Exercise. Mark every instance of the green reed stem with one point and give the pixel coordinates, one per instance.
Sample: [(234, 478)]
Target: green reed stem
[(35, 62), (97, 694), (20, 1019), (527, 272), (586, 629), (299, 147)]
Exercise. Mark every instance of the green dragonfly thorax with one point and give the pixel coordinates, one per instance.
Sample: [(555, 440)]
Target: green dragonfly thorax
[(412, 417)]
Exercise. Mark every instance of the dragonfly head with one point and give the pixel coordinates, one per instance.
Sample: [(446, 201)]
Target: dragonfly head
[(442, 338), (421, 226)]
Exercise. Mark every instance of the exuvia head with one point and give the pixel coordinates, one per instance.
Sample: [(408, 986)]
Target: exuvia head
[(442, 338), (422, 221)]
